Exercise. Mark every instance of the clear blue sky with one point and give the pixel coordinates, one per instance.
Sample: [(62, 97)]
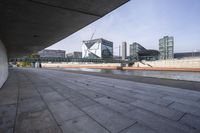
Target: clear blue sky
[(144, 21)]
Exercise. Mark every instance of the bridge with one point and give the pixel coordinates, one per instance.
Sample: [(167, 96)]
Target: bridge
[(59, 59)]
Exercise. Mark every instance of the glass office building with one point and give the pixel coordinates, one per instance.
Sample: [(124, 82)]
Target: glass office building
[(97, 49), (138, 52), (52, 53), (166, 47), (135, 48), (74, 54)]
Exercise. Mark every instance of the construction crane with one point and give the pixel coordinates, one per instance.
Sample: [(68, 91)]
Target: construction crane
[(92, 35), (90, 40)]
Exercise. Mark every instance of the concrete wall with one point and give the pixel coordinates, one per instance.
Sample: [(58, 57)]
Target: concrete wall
[(175, 63), (3, 64)]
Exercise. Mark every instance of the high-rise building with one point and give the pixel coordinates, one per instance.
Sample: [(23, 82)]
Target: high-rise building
[(52, 53), (97, 48), (135, 48), (124, 50), (166, 47)]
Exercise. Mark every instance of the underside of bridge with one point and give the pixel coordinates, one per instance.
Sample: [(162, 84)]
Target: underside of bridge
[(27, 26)]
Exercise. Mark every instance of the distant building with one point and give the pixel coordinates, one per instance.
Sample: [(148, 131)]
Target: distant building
[(166, 47), (135, 48), (97, 48), (149, 55), (138, 52), (116, 57), (124, 50), (75, 54), (51, 53), (186, 55)]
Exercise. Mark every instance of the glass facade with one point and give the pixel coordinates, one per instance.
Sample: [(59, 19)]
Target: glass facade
[(97, 48), (135, 48), (51, 53), (138, 52), (166, 47)]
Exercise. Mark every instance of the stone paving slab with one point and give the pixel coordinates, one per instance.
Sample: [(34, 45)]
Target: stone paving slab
[(36, 122), (111, 120), (183, 101), (52, 97), (45, 101), (159, 101), (31, 105), (7, 118), (115, 105), (82, 124), (192, 121), (166, 112), (139, 128), (186, 108), (64, 111), (158, 123)]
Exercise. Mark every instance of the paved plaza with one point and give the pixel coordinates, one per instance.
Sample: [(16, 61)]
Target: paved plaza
[(51, 101)]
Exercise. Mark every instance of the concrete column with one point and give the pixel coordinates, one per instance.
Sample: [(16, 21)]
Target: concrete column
[(3, 64)]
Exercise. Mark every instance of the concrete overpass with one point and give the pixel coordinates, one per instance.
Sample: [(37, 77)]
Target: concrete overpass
[(27, 26)]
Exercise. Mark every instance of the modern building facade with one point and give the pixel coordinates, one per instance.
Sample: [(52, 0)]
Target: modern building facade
[(186, 55), (97, 49), (52, 53), (124, 50), (135, 48), (149, 55), (138, 52), (166, 47), (74, 54)]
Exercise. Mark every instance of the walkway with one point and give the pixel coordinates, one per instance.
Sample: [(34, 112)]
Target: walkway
[(49, 101)]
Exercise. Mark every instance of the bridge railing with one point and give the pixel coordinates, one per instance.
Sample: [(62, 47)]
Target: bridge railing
[(58, 59)]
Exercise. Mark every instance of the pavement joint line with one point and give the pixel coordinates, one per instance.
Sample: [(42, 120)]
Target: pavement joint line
[(154, 113), (182, 116), (45, 103), (128, 127), (79, 107), (71, 119), (8, 104), (170, 104), (17, 104)]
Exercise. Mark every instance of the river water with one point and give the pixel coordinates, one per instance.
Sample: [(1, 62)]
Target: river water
[(188, 76)]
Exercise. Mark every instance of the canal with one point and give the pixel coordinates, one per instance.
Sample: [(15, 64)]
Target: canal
[(188, 76)]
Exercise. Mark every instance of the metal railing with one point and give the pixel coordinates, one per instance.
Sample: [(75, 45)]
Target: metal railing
[(59, 59)]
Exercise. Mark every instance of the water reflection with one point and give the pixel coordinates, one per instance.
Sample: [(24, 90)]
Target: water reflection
[(189, 76)]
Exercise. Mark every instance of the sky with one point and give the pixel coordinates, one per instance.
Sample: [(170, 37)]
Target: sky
[(145, 22)]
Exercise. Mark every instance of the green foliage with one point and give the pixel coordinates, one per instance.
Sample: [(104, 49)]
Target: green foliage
[(23, 64)]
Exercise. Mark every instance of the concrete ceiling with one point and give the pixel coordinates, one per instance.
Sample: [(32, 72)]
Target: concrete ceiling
[(27, 26)]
